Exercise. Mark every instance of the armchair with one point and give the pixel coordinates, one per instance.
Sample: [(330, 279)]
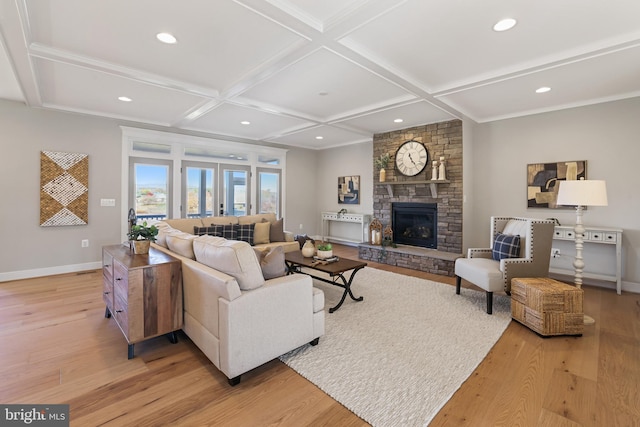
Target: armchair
[(485, 268)]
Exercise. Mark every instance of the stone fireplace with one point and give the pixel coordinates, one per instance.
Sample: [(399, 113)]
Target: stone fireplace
[(441, 139)]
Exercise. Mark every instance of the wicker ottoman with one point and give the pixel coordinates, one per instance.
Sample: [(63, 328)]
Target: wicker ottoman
[(547, 306)]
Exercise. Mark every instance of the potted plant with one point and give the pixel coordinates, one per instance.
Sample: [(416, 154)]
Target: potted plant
[(325, 250), (381, 163), (142, 235)]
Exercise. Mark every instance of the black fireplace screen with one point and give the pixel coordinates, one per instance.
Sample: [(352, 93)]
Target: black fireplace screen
[(415, 224)]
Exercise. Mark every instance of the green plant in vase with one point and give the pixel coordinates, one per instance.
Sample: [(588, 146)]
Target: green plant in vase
[(325, 250), (141, 235), (382, 163)]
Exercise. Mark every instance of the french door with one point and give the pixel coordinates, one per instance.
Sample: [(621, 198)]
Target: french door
[(213, 189)]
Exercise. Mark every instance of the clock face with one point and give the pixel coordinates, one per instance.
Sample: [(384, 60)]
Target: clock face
[(411, 158)]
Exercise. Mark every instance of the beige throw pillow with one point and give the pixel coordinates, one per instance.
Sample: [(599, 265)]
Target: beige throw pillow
[(261, 233)]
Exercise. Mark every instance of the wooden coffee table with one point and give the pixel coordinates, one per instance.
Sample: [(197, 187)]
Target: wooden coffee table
[(295, 262)]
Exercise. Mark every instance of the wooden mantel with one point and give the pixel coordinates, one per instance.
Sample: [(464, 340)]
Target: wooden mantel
[(432, 183)]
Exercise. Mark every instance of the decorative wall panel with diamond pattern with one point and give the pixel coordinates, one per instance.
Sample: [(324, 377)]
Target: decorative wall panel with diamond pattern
[(64, 189)]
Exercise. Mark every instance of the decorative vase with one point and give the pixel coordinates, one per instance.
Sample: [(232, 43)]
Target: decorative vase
[(383, 175), (442, 174), (434, 171), (141, 247), (308, 249), (325, 254)]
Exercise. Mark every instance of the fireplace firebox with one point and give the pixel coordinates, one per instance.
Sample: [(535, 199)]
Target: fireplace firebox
[(415, 224)]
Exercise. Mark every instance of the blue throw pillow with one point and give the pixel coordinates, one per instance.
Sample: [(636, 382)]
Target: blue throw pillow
[(505, 246)]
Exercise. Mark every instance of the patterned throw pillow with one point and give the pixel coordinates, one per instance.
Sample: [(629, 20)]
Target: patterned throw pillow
[(227, 231), (505, 246), (244, 233), (201, 231)]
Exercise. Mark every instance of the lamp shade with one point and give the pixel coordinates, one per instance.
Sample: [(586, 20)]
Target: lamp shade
[(582, 192)]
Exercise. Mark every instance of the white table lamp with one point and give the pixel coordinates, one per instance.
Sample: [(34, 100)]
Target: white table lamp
[(581, 193)]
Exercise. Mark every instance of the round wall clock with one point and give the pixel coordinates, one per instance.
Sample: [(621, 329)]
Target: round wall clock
[(411, 158)]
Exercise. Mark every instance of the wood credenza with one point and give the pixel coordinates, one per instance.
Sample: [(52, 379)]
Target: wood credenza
[(143, 293)]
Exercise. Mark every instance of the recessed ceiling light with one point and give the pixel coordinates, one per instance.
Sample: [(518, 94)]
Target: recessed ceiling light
[(245, 122), (323, 93), (504, 24), (543, 89), (125, 99), (166, 38), (319, 137), (398, 121)]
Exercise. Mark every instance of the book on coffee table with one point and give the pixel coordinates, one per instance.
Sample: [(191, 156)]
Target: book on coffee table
[(330, 259)]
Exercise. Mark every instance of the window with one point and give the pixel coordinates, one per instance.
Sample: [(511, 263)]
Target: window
[(269, 191), (150, 188), (169, 175), (235, 190), (198, 189)]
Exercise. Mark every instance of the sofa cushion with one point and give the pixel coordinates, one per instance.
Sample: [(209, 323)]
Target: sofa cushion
[(181, 243), (235, 258), (261, 233), (220, 220), (184, 224), (505, 246), (272, 262), (163, 230), (276, 231), (252, 219)]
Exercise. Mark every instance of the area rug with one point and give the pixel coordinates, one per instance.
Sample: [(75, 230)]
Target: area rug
[(397, 357)]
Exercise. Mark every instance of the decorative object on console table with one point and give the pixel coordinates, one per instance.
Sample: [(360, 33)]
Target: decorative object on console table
[(581, 193), (375, 232), (382, 163), (349, 190), (142, 235)]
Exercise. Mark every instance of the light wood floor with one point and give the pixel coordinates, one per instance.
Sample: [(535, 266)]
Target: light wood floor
[(57, 347)]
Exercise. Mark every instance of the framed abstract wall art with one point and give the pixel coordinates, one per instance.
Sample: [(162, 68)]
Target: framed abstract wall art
[(64, 189), (543, 181), (349, 190)]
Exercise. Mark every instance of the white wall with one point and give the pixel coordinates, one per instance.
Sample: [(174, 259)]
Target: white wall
[(356, 159), (607, 136)]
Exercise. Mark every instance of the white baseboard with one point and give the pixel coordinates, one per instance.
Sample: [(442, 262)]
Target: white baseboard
[(49, 271)]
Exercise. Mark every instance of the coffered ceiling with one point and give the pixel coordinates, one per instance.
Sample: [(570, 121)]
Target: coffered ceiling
[(298, 70)]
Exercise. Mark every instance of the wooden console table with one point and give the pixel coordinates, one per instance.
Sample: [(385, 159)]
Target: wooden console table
[(594, 236), (328, 217), (143, 293)]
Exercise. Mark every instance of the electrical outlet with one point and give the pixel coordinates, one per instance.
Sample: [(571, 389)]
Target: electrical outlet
[(300, 226), (85, 243), (555, 252)]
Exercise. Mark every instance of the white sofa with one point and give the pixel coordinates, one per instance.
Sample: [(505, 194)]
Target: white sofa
[(237, 318)]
